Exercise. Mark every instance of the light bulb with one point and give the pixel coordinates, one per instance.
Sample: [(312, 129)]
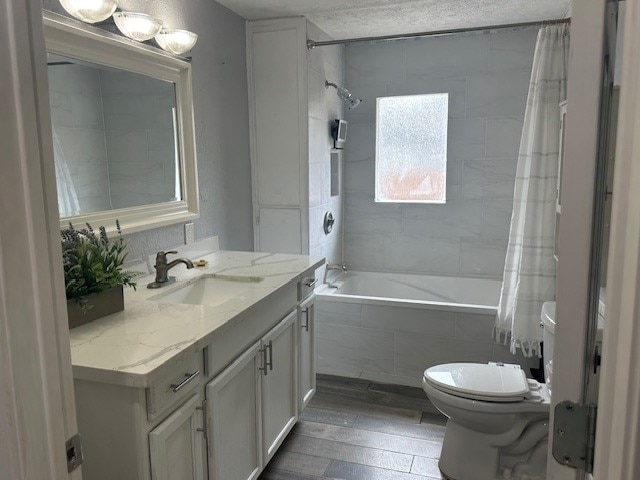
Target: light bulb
[(137, 26), (176, 41), (90, 11)]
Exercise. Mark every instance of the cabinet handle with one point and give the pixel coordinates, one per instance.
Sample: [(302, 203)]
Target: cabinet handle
[(311, 282), (205, 432), (189, 377), (270, 347), (263, 351), (305, 325)]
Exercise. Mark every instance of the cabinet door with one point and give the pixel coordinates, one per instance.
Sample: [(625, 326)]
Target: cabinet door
[(176, 444), (306, 353), (279, 384), (234, 416)]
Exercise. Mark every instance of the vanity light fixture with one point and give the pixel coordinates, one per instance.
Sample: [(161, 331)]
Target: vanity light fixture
[(176, 41), (90, 11), (137, 26)]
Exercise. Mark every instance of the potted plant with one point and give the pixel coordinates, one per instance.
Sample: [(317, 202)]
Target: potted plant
[(93, 273)]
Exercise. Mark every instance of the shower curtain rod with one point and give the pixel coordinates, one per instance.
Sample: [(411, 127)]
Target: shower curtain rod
[(311, 44)]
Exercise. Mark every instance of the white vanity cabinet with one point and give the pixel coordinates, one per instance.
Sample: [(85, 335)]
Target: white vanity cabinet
[(252, 405), (220, 411), (306, 352), (175, 446)]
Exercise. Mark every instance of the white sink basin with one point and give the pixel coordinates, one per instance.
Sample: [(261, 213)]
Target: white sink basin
[(209, 290)]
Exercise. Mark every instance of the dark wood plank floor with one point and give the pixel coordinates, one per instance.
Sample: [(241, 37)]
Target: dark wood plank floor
[(354, 429)]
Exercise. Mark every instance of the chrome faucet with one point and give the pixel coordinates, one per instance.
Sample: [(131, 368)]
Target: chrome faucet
[(333, 266), (162, 269)]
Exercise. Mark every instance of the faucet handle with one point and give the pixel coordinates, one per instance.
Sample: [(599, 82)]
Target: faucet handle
[(162, 255)]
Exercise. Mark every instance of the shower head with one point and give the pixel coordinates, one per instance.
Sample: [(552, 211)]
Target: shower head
[(344, 95)]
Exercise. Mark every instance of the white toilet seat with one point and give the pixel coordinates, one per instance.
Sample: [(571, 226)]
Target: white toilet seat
[(493, 382)]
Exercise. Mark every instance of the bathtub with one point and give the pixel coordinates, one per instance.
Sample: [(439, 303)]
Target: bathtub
[(471, 295), (390, 327)]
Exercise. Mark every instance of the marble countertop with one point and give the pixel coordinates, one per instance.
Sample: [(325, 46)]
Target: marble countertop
[(129, 347)]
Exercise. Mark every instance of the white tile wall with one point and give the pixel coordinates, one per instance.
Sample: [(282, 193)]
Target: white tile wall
[(396, 344), (325, 63), (487, 78)]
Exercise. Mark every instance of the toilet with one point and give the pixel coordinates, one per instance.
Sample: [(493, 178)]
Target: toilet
[(498, 419)]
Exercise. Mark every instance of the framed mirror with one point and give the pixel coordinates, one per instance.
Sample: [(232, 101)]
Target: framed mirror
[(123, 129)]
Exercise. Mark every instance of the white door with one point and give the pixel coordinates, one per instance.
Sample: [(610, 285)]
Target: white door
[(306, 354), (279, 382), (37, 410), (589, 92), (234, 423), (175, 446)]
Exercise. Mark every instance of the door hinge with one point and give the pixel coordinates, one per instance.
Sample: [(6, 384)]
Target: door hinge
[(574, 434), (75, 456)]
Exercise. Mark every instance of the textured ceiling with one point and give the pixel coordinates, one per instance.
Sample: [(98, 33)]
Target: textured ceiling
[(364, 18)]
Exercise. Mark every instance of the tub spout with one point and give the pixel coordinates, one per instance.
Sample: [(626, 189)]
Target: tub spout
[(333, 266)]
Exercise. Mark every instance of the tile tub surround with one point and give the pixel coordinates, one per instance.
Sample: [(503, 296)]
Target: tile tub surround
[(394, 340), (127, 348), (487, 78), (325, 63)]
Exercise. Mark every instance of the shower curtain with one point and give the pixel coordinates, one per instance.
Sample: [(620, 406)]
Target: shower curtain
[(68, 204), (530, 270)]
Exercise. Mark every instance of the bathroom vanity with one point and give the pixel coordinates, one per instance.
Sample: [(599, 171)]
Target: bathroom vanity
[(201, 378)]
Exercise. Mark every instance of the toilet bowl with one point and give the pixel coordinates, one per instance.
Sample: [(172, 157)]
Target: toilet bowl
[(498, 421)]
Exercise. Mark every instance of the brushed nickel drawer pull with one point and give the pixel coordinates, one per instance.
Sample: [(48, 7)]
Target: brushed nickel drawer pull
[(311, 282), (265, 367), (305, 325), (270, 347), (189, 377)]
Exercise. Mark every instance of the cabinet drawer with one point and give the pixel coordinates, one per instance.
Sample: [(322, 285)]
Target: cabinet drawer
[(179, 381)]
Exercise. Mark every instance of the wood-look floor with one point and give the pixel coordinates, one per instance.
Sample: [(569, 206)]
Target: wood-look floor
[(359, 430)]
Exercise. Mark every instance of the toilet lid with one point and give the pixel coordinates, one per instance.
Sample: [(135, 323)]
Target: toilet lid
[(493, 382)]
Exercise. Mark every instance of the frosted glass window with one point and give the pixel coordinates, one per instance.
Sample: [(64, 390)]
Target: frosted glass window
[(411, 148)]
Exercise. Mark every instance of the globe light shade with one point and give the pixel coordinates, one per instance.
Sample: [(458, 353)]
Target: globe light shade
[(137, 26), (176, 41), (90, 11)]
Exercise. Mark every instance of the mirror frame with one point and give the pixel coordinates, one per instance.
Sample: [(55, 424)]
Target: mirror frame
[(67, 37)]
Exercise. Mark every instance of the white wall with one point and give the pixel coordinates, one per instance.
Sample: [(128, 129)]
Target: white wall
[(326, 63), (221, 120), (487, 78)]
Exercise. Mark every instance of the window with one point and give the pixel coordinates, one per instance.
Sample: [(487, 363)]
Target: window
[(411, 148)]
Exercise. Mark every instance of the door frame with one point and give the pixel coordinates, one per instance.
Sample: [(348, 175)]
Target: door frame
[(580, 160), (36, 380), (617, 448), (617, 452)]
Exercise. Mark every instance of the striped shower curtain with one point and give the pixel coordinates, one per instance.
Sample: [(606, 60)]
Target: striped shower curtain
[(530, 270)]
